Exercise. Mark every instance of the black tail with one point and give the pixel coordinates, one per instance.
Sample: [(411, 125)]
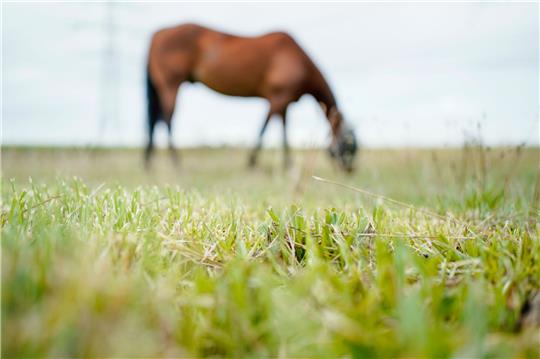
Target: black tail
[(154, 114), (154, 108)]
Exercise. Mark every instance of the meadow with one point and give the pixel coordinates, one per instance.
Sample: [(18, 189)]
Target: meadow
[(419, 253)]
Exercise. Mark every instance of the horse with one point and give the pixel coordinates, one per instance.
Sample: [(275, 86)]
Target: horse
[(271, 66)]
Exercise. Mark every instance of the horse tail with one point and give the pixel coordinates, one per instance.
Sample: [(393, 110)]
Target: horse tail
[(154, 108), (154, 112)]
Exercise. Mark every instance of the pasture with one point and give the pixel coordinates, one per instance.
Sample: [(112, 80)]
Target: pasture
[(101, 259)]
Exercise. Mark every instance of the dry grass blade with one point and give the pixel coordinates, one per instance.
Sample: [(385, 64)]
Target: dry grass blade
[(384, 198), (388, 235), (42, 203)]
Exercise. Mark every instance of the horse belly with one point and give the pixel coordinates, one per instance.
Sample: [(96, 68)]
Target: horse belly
[(233, 71)]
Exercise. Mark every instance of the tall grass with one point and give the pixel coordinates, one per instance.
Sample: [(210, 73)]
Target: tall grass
[(180, 270)]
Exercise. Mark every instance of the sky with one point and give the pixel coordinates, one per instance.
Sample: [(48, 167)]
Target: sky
[(404, 74)]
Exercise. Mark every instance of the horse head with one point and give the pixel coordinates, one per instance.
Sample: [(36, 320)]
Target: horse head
[(343, 146)]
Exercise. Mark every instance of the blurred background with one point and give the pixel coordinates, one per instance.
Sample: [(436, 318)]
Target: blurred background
[(433, 252), (413, 74)]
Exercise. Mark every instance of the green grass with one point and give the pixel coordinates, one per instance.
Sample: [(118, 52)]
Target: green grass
[(216, 260)]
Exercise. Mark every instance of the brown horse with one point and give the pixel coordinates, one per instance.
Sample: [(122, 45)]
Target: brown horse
[(272, 66)]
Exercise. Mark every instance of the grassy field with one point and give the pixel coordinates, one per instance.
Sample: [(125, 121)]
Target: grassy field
[(439, 259)]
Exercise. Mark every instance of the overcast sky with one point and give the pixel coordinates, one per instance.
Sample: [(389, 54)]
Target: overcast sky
[(407, 74)]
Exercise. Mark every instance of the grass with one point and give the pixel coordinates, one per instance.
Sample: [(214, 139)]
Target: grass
[(216, 260)]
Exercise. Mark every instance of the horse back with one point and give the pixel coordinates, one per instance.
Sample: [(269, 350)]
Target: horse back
[(233, 65)]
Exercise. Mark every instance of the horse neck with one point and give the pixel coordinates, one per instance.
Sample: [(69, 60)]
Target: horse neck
[(323, 94)]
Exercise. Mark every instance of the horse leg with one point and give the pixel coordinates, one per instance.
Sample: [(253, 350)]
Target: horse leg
[(286, 149), (172, 149), (150, 146), (257, 148), (278, 106), (168, 104)]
